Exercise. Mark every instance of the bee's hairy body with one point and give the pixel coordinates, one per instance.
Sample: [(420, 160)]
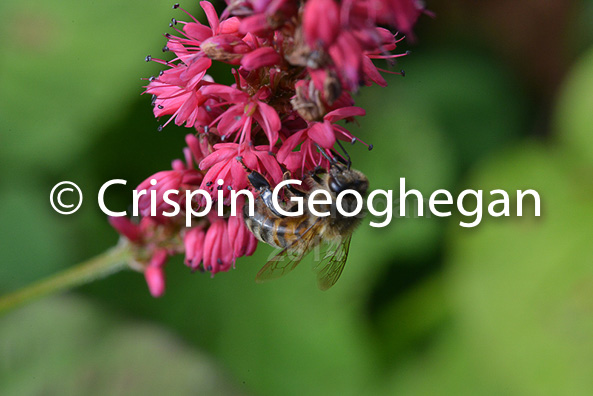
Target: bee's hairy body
[(302, 233)]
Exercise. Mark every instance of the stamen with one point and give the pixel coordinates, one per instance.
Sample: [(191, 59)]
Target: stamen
[(176, 6)]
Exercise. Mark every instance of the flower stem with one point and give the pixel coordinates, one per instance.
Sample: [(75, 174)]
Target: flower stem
[(111, 261)]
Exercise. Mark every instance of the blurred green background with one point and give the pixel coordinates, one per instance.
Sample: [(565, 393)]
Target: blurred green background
[(497, 94)]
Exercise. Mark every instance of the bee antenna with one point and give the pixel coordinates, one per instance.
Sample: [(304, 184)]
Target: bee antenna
[(349, 162), (331, 160), (240, 159)]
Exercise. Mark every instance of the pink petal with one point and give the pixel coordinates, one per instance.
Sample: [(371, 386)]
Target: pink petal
[(270, 164), (227, 93), (289, 144), (268, 119), (194, 246), (155, 279), (229, 26), (217, 156), (256, 24), (344, 112), (321, 23), (211, 15), (372, 73), (261, 57), (322, 134), (125, 227), (197, 31)]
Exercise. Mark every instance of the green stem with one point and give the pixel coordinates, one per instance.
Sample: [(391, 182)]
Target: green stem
[(113, 260)]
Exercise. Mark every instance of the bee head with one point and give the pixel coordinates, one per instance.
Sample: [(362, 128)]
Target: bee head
[(341, 178)]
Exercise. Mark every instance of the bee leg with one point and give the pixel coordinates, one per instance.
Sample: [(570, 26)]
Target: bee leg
[(289, 190), (258, 181)]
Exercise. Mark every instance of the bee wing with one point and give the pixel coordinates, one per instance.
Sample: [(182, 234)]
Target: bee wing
[(285, 261), (330, 268)]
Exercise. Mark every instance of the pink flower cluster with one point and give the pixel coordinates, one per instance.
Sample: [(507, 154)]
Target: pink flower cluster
[(296, 66)]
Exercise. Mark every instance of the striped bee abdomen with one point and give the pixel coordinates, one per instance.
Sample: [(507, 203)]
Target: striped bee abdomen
[(280, 232)]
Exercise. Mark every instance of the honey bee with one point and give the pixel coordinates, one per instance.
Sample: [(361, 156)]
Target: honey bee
[(298, 235)]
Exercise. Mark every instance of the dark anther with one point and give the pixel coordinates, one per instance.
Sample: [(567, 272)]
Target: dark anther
[(219, 261), (148, 58), (239, 158), (161, 73), (229, 188), (165, 48), (219, 188), (160, 128), (167, 35), (175, 6), (153, 99), (408, 52), (370, 147), (209, 268), (223, 138), (208, 184), (151, 79), (174, 21), (208, 108), (160, 107), (403, 72), (353, 141)]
